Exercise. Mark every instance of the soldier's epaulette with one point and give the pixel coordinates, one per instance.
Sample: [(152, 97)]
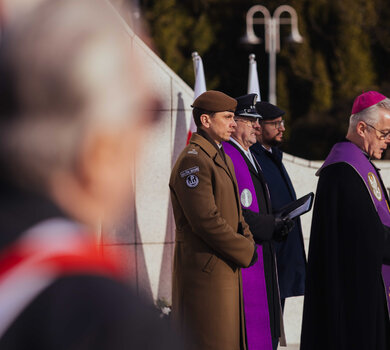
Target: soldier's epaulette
[(192, 151)]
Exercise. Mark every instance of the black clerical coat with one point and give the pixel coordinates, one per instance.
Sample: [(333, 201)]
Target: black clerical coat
[(262, 226), (290, 254), (344, 305)]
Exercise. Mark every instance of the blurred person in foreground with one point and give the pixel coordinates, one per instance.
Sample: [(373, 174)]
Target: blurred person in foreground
[(349, 253), (212, 242), (290, 254), (73, 109)]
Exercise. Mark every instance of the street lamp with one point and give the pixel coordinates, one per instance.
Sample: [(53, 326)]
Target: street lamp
[(272, 36)]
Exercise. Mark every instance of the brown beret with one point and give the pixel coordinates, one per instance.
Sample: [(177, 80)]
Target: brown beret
[(215, 101)]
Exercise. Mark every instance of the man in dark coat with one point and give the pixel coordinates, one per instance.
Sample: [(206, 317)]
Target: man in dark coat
[(73, 105), (257, 210), (290, 254), (345, 301)]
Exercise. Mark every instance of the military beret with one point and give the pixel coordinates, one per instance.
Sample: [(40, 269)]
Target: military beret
[(365, 100), (215, 101), (268, 111), (246, 106)]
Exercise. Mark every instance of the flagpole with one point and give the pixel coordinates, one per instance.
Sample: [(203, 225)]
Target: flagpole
[(200, 81), (253, 79), (195, 56), (199, 86)]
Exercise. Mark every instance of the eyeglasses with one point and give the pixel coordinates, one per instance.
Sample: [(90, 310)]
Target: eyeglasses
[(385, 135), (251, 122), (277, 125)]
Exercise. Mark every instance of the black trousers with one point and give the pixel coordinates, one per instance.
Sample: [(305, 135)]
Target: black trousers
[(275, 342)]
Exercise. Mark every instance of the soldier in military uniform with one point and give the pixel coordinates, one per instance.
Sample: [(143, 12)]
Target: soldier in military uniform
[(212, 239)]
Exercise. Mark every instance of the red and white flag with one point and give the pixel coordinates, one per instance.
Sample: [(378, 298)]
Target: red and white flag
[(200, 87), (253, 79)]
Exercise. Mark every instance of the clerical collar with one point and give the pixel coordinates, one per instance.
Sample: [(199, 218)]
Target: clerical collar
[(239, 145), (246, 152)]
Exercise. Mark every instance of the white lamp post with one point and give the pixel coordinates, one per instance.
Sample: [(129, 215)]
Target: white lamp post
[(272, 36)]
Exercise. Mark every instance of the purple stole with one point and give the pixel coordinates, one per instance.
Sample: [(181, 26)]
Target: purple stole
[(349, 153), (257, 321)]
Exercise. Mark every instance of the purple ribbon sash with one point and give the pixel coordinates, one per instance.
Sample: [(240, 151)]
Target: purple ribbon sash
[(257, 321), (349, 153)]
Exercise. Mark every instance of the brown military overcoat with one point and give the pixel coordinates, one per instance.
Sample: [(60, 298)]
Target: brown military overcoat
[(212, 243)]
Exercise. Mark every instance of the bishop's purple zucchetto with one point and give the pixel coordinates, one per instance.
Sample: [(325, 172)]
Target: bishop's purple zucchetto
[(365, 100)]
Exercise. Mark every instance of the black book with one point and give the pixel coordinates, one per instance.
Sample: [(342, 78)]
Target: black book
[(296, 208)]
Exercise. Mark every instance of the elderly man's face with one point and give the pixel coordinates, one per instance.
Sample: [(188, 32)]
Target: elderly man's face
[(84, 105), (11, 10), (376, 137), (245, 132), (117, 85), (128, 147)]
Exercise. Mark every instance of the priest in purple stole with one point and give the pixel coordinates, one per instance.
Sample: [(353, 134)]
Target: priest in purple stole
[(347, 283), (260, 285)]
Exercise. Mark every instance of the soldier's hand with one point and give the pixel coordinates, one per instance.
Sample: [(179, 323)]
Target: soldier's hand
[(282, 228)]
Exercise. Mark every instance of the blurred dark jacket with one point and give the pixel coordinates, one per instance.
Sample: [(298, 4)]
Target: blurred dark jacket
[(79, 310)]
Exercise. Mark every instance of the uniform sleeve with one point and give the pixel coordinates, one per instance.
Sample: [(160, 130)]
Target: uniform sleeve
[(246, 229), (200, 209)]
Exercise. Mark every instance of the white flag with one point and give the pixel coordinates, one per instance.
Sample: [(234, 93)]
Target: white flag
[(253, 80), (199, 88)]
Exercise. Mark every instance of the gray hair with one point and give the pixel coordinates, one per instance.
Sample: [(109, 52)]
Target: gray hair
[(369, 115), (65, 71)]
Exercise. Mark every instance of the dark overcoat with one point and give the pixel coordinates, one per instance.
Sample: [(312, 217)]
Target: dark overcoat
[(262, 226), (290, 254), (212, 243), (345, 306)]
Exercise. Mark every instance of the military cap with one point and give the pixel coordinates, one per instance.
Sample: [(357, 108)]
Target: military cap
[(246, 106), (365, 100), (215, 101), (268, 110)]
